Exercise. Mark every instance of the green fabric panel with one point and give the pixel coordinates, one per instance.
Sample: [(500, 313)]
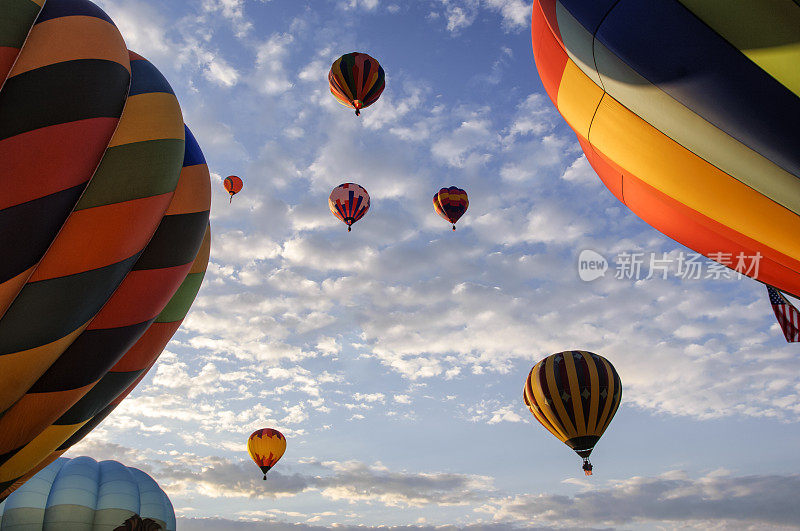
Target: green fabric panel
[(68, 518), (767, 32), (178, 306), (18, 17), (578, 43), (22, 519), (694, 133), (134, 171)]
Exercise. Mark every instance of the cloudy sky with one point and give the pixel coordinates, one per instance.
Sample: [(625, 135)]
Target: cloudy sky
[(393, 357)]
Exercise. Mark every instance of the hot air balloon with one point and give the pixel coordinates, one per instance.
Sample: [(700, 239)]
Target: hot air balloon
[(349, 202), (82, 493), (233, 185), (356, 80), (574, 394), (451, 203), (266, 447), (108, 207), (688, 112)]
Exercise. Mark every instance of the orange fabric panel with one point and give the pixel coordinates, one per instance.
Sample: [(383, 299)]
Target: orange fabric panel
[(71, 38), (695, 230), (611, 178), (548, 53), (90, 238), (193, 192), (31, 414)]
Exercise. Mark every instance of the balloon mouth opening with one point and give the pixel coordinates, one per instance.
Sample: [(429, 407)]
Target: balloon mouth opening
[(349, 222), (357, 105)]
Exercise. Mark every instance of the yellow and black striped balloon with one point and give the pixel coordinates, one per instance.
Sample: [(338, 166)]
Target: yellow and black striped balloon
[(574, 394)]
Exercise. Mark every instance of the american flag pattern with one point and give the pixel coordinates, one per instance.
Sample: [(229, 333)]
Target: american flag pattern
[(787, 315)]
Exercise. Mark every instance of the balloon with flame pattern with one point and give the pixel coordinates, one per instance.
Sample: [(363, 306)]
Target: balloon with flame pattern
[(574, 395), (266, 446), (451, 203), (233, 185), (356, 80)]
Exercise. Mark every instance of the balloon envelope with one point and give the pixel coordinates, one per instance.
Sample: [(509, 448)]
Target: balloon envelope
[(451, 203), (82, 493), (356, 80), (107, 207), (688, 112), (349, 202), (266, 446), (233, 185), (574, 395)]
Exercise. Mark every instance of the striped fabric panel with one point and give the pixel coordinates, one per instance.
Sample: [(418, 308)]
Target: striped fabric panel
[(143, 294), (669, 116), (58, 109), (57, 438), (18, 18), (664, 166), (102, 239)]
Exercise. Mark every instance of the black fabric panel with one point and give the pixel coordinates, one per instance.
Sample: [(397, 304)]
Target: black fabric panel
[(584, 445), (27, 230), (175, 242), (89, 358), (62, 93), (50, 309), (86, 428), (101, 395)]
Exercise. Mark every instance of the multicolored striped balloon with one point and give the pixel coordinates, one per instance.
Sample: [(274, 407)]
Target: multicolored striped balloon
[(356, 80), (107, 205), (451, 203), (574, 394), (266, 446), (688, 112), (349, 202)]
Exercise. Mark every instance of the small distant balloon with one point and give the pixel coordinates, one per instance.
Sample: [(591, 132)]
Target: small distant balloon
[(349, 202), (233, 185), (266, 446), (574, 394), (356, 80), (451, 203)]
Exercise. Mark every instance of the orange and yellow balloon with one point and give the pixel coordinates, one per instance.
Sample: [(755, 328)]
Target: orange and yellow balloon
[(266, 447)]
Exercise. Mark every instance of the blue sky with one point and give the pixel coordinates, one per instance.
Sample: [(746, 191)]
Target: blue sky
[(393, 357)]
